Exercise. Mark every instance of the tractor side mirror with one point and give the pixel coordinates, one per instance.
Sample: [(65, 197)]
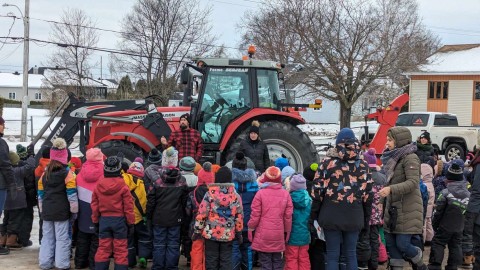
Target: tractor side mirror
[(185, 75)]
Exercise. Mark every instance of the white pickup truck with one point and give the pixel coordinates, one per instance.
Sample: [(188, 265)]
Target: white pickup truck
[(452, 140)]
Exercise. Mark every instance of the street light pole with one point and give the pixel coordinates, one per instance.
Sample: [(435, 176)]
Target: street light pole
[(26, 41)]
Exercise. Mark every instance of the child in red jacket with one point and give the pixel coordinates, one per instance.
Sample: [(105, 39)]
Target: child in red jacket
[(113, 215)]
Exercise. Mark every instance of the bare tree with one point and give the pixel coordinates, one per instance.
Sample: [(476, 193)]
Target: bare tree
[(346, 46), (76, 37), (160, 36)]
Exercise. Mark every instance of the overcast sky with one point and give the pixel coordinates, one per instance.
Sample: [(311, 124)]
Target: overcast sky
[(455, 22)]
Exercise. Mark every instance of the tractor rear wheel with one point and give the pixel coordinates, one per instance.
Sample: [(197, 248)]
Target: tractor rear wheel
[(282, 138), (129, 150)]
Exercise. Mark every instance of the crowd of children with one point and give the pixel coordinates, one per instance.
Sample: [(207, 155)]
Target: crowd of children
[(329, 216)]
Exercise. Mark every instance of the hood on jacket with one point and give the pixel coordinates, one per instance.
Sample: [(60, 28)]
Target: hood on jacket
[(110, 185), (458, 188), (427, 172), (243, 176), (401, 135), (300, 199), (223, 194), (92, 171)]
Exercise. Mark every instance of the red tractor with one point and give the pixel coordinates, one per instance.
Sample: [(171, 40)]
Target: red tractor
[(223, 96)]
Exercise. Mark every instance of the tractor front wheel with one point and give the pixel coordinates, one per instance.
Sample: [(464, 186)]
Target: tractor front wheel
[(129, 150)]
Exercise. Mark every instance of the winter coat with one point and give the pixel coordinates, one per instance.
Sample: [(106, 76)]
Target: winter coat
[(111, 198), (137, 189), (190, 178), (40, 169), (151, 174), (451, 205), (195, 198), (57, 195), (166, 201), (425, 153), (342, 199), (246, 186), (220, 215), (30, 184), (302, 204), (87, 180), (379, 181), (427, 178), (271, 218), (474, 203), (17, 198), (6, 171), (405, 193), (257, 151)]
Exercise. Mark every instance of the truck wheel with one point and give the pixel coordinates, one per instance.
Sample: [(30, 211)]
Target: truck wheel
[(454, 151), (283, 138), (129, 150)]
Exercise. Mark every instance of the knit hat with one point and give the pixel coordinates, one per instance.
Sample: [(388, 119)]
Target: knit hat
[(136, 168), (425, 135), (112, 166), (170, 157), (154, 157), (370, 157), (215, 168), (346, 135), (272, 174), (286, 172), (239, 162), (205, 175), (309, 171), (59, 151), (94, 154), (198, 167), (21, 151), (77, 162), (186, 116), (46, 152), (455, 172), (255, 128), (224, 175), (187, 164), (139, 160), (297, 182), (14, 158), (281, 162), (171, 175)]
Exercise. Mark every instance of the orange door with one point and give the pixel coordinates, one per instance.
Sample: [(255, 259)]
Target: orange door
[(437, 105), (476, 112)]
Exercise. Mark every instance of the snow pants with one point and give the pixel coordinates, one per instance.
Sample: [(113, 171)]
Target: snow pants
[(242, 254), (316, 252), (441, 239), (112, 239), (218, 255), (296, 258), (87, 245), (140, 243), (55, 247), (27, 225), (166, 247), (197, 255), (270, 260), (12, 221)]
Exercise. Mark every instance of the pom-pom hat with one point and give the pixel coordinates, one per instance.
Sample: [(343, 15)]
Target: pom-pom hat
[(59, 151)]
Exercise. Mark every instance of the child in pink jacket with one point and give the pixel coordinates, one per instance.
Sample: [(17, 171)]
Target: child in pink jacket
[(427, 176), (271, 220)]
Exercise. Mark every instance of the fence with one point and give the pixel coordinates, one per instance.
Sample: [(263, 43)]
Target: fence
[(28, 120)]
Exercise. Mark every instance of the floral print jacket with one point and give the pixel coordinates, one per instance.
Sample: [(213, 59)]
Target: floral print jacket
[(220, 215)]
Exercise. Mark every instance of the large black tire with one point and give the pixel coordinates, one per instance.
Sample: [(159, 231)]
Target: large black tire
[(129, 150), (282, 138), (454, 151)]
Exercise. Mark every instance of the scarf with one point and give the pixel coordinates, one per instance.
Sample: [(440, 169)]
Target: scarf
[(349, 152), (390, 158), (424, 147)]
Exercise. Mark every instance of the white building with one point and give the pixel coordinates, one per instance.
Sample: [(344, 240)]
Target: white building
[(11, 86)]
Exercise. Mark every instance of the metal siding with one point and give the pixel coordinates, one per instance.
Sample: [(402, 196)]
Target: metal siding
[(460, 100), (418, 95)]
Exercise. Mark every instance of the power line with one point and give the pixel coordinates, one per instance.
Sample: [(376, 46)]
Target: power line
[(9, 31)]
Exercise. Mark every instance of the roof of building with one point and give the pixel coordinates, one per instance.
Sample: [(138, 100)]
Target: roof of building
[(453, 59), (16, 80)]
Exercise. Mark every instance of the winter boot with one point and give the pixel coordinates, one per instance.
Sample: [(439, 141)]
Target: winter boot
[(142, 262), (4, 250), (418, 259), (468, 261), (3, 240), (396, 264), (12, 242)]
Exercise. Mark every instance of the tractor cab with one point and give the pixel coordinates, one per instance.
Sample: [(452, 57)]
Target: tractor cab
[(220, 90)]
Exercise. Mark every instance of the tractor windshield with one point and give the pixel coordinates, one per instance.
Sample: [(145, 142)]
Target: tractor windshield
[(227, 95), (268, 88)]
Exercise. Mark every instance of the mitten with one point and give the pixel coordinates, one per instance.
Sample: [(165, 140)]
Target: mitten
[(239, 237), (31, 150)]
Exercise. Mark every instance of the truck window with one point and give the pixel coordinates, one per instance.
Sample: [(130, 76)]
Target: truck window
[(445, 120), (415, 120)]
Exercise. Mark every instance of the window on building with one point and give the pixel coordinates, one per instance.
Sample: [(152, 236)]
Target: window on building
[(477, 91), (38, 96), (12, 95), (438, 90)]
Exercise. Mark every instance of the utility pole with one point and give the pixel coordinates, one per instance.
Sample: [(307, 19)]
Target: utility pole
[(26, 41)]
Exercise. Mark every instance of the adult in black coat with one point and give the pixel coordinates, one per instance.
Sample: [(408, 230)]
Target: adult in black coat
[(425, 150), (255, 149), (6, 177)]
